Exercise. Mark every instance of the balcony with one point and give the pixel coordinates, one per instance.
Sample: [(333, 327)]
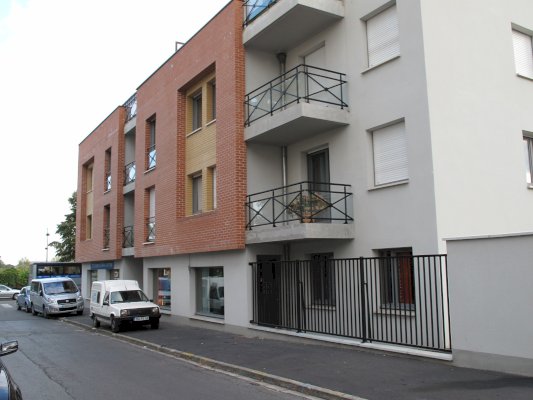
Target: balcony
[(301, 211), (131, 112), (150, 157), (129, 177), (301, 103), (127, 237), (278, 25)]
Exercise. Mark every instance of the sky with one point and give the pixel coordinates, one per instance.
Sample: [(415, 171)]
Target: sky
[(65, 65)]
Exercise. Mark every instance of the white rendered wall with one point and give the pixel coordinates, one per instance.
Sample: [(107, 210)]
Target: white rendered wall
[(478, 110)]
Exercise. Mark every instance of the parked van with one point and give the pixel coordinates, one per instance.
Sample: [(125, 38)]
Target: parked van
[(50, 296), (121, 302)]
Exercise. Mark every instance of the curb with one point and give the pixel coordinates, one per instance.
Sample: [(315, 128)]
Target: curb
[(285, 383)]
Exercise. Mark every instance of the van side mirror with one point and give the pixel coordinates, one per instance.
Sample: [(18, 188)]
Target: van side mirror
[(40, 293), (105, 303)]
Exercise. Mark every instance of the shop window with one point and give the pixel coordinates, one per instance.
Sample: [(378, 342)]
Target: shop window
[(162, 288), (210, 291)]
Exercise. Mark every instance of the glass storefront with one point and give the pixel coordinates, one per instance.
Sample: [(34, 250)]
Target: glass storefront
[(162, 288), (210, 291)]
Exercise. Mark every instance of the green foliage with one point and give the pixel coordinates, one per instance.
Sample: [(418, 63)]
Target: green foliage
[(16, 277), (65, 248)]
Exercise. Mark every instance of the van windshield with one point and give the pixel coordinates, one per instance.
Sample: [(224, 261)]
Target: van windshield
[(60, 287), (128, 296)]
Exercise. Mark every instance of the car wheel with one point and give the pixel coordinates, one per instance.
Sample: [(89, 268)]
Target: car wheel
[(115, 326), (45, 313), (96, 323), (80, 312), (33, 309), (15, 296), (154, 324)]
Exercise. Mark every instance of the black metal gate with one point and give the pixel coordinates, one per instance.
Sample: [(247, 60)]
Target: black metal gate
[(401, 300)]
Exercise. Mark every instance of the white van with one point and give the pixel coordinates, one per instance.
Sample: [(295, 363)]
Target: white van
[(55, 296), (121, 302)]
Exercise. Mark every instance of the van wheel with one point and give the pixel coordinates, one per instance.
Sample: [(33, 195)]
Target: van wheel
[(115, 327), (45, 313), (96, 323), (80, 312), (33, 309), (155, 324)]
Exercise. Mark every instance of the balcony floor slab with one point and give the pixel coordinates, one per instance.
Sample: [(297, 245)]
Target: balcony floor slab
[(299, 231)]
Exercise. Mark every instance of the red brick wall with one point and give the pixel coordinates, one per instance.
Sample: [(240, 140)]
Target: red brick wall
[(109, 134), (218, 45)]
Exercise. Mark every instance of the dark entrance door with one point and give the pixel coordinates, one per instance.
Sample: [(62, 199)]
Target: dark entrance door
[(319, 188), (268, 283)]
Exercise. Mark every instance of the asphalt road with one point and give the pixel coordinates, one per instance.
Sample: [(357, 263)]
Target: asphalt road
[(61, 362)]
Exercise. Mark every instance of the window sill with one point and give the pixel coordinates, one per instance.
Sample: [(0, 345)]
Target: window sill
[(391, 184), (380, 64), (149, 170), (529, 78), (107, 191), (105, 249), (205, 318), (193, 132), (530, 186), (148, 243), (211, 122)]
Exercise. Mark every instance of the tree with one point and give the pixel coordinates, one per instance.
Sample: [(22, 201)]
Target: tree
[(65, 248)]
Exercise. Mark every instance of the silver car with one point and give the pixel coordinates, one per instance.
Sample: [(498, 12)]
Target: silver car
[(7, 293), (23, 299)]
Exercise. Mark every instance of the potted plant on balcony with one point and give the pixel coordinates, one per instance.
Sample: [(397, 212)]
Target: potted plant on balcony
[(306, 206)]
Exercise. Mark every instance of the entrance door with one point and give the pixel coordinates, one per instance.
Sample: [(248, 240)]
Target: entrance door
[(268, 284), (319, 188)]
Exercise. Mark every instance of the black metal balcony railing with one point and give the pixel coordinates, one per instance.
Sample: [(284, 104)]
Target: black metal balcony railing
[(108, 181), (151, 157), (127, 237), (305, 202), (254, 8), (107, 237), (302, 83), (131, 107), (129, 173), (150, 229)]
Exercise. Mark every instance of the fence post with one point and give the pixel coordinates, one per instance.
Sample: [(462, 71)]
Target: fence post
[(299, 298), (362, 285)]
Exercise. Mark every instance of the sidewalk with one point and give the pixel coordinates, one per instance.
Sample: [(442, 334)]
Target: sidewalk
[(290, 361)]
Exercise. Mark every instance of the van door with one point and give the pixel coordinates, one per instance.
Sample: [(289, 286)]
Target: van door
[(105, 310)]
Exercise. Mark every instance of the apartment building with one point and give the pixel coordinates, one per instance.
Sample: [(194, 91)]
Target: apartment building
[(300, 163)]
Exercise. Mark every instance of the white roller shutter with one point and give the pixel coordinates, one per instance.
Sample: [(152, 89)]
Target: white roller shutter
[(523, 53), (383, 36), (390, 154)]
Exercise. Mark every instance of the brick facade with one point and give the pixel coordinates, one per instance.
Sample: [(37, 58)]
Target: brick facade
[(214, 52)]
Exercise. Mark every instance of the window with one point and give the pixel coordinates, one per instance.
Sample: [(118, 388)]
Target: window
[(87, 233), (212, 174), (323, 279), (197, 111), (107, 224), (150, 151), (397, 279), (523, 53), (162, 287), (107, 179), (210, 291), (89, 227), (212, 86), (390, 154), (150, 220), (197, 194), (528, 157), (383, 37)]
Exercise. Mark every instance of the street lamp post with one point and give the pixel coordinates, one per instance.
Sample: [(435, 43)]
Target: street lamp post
[(46, 248)]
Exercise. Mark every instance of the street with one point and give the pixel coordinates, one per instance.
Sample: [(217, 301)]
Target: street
[(58, 361)]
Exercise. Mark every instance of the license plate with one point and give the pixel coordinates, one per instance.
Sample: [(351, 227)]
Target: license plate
[(137, 319)]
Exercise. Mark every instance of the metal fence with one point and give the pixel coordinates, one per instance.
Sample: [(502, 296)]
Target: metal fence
[(131, 107), (254, 8), (303, 201), (398, 300), (129, 173), (127, 237), (303, 83)]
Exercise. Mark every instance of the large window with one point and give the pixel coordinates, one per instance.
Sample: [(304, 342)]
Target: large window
[(197, 111), (197, 194), (397, 279), (523, 53), (210, 291), (323, 279), (162, 290), (150, 220), (150, 151), (383, 37), (528, 156), (107, 226), (390, 154)]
